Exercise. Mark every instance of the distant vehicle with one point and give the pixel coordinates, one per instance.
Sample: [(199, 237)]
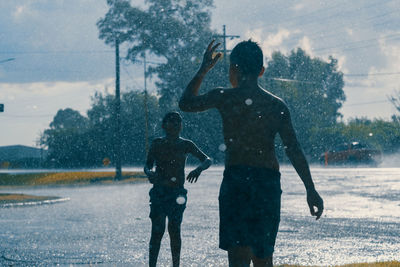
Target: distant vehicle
[(351, 154)]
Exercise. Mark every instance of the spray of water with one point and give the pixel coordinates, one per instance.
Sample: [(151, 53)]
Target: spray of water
[(390, 160)]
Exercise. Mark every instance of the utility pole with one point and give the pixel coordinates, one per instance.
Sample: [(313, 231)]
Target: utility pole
[(146, 109), (117, 139), (224, 36), (224, 50), (3, 61)]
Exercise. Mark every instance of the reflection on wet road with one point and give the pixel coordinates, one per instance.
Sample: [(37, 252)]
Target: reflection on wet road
[(109, 224)]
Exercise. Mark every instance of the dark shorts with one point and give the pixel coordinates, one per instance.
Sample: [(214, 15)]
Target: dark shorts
[(167, 202), (249, 209)]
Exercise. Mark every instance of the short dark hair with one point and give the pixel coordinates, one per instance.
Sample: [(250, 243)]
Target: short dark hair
[(172, 116), (248, 56)]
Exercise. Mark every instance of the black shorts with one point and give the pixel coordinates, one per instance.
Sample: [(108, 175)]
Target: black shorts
[(249, 209), (168, 202)]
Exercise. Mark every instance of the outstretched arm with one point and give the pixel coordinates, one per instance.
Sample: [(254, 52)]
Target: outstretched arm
[(190, 101), (299, 162), (205, 163)]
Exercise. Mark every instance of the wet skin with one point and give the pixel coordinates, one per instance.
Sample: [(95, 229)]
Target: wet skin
[(169, 154), (251, 118)]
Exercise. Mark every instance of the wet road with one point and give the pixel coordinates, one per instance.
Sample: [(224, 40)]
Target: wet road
[(109, 225)]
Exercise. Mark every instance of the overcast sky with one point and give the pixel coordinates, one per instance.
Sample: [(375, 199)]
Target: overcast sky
[(51, 57)]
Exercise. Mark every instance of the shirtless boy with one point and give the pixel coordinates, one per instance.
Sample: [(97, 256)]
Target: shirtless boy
[(168, 196), (250, 193)]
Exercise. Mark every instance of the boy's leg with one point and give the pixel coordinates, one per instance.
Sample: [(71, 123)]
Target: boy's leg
[(239, 257), (257, 262), (174, 230), (157, 232)]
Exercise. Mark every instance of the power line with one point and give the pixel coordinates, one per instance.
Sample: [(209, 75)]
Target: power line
[(390, 36), (332, 16), (318, 33), (59, 52), (7, 60), (368, 103), (371, 74), (27, 116), (291, 80)]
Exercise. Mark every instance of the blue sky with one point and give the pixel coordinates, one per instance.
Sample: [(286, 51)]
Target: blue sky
[(58, 60)]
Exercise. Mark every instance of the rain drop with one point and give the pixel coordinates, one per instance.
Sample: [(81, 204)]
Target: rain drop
[(222, 147), (173, 179), (180, 200), (370, 134), (282, 113), (222, 91), (248, 101)]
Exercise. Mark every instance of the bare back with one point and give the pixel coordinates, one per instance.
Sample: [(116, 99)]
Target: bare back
[(251, 119)]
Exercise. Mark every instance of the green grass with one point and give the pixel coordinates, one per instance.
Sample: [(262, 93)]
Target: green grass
[(375, 264), (19, 198), (66, 178)]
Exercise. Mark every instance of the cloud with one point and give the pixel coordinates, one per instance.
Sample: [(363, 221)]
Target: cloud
[(21, 11), (269, 42), (53, 40), (385, 83), (349, 31), (298, 6), (29, 108), (305, 44), (373, 89)]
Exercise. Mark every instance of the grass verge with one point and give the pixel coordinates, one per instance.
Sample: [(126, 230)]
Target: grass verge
[(375, 264), (66, 178), (58, 179), (6, 198)]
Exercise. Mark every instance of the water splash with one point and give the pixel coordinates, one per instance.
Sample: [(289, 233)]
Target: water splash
[(180, 200), (222, 147)]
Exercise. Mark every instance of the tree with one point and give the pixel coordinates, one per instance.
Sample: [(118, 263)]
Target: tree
[(65, 139), (77, 141), (177, 33), (132, 126), (377, 133), (313, 91)]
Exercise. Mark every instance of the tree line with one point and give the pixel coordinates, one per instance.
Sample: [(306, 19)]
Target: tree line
[(177, 32)]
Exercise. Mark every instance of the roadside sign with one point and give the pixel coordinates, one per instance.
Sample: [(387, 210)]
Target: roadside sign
[(1, 107)]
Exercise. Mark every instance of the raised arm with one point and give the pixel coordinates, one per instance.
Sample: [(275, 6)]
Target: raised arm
[(299, 162), (204, 159), (190, 100)]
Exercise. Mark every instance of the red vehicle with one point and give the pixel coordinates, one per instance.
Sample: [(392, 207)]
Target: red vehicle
[(353, 154)]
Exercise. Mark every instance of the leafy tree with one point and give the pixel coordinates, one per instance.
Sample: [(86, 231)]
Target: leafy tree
[(133, 141), (64, 139), (177, 33), (313, 91), (377, 133), (77, 141)]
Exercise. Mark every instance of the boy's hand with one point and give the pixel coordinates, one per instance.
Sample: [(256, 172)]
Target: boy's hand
[(193, 176), (152, 176), (314, 200), (210, 58)]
